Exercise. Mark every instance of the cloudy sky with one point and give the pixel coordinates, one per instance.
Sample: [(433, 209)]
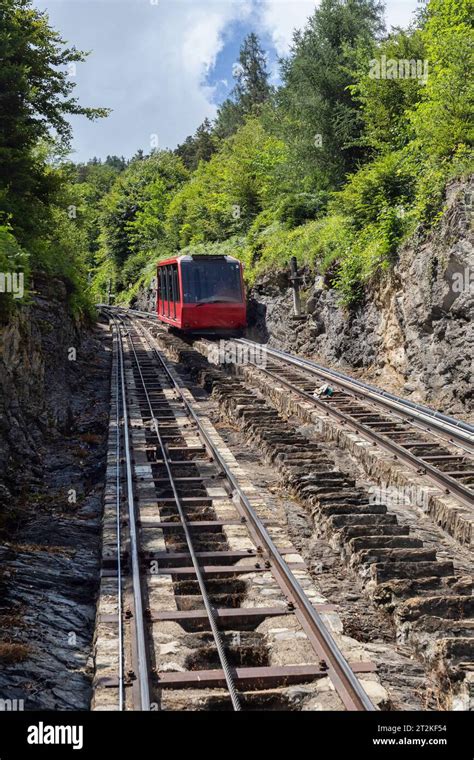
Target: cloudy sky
[(164, 65)]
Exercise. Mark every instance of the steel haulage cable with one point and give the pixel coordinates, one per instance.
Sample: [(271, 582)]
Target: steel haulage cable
[(117, 524)]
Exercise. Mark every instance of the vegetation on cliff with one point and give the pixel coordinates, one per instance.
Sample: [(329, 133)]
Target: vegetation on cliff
[(338, 165), (38, 219)]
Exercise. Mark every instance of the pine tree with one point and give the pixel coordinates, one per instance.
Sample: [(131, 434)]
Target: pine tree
[(198, 147), (251, 88)]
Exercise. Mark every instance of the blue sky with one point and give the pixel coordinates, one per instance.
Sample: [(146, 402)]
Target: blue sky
[(164, 65)]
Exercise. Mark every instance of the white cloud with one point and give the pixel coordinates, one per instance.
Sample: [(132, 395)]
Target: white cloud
[(281, 17), (203, 28), (149, 64)]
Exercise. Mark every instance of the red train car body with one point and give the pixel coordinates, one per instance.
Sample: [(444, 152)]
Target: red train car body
[(202, 294)]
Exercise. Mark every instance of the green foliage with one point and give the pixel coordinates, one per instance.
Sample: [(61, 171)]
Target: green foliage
[(36, 100), (442, 119), (251, 87), (227, 193), (386, 183), (296, 208), (320, 120), (367, 253), (13, 259), (133, 212), (38, 203), (385, 102), (199, 147)]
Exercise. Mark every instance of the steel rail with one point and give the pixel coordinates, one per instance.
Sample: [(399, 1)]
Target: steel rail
[(439, 421), (463, 431), (200, 579), (117, 527), (142, 660), (346, 683), (465, 495)]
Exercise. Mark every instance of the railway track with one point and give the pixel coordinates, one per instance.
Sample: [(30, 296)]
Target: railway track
[(410, 432), (434, 445), (189, 556), (410, 568)]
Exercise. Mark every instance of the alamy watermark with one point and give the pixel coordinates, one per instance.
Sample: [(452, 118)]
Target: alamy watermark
[(226, 352), (42, 733), (462, 282), (12, 705), (13, 283), (393, 496), (399, 68)]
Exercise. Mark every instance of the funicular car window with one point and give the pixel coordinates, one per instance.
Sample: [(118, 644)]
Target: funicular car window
[(161, 294), (163, 290), (174, 288), (167, 290), (211, 281), (176, 280)]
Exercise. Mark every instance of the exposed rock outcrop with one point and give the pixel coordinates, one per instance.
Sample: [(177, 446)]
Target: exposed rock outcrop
[(54, 386), (413, 332)]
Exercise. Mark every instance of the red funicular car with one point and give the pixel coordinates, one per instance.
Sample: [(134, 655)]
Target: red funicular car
[(202, 294)]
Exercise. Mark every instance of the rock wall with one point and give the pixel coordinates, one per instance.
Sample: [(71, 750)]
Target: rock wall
[(54, 416), (414, 331), (145, 299)]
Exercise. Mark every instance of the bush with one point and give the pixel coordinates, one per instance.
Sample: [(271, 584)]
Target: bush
[(13, 259), (297, 208)]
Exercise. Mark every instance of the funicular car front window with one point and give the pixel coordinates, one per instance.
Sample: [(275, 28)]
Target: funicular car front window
[(212, 281)]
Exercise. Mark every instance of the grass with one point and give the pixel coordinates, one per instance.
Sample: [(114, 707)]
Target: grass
[(92, 438), (11, 652)]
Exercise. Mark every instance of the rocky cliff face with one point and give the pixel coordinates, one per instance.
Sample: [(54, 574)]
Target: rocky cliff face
[(146, 299), (54, 386), (414, 331)]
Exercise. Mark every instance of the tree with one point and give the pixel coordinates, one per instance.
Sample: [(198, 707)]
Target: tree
[(443, 118), (134, 211), (35, 101), (385, 102), (199, 147), (321, 121), (251, 88), (226, 194)]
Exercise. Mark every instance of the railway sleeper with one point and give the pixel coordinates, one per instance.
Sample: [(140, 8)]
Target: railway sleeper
[(422, 635), (358, 543), (454, 607), (326, 510), (347, 533), (382, 571), (390, 594), (369, 556)]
